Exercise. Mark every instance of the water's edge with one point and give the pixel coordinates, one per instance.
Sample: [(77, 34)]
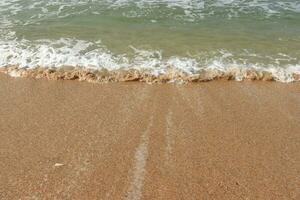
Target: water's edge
[(171, 76)]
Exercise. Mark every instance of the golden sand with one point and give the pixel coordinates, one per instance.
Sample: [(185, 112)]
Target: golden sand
[(215, 140)]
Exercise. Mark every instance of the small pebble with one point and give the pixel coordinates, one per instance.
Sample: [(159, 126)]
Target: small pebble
[(58, 164)]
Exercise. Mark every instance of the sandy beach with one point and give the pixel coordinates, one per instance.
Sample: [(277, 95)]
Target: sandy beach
[(214, 140)]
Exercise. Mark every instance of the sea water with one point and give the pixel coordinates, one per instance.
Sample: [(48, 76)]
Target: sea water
[(189, 36)]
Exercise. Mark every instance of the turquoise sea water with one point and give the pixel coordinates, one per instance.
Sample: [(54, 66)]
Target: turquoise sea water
[(187, 35)]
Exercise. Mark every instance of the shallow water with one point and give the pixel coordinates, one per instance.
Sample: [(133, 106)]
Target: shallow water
[(187, 35)]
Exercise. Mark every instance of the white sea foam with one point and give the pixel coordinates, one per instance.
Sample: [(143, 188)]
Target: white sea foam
[(93, 55), (33, 11)]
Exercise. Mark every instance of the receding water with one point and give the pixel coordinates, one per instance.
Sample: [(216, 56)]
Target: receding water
[(184, 34)]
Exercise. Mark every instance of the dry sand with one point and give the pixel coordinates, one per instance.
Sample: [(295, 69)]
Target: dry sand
[(216, 140)]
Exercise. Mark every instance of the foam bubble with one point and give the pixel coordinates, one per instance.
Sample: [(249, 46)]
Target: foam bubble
[(93, 55), (33, 11)]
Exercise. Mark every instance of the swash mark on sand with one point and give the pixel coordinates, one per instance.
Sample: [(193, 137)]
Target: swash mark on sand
[(128, 109), (168, 137), (192, 104), (141, 155)]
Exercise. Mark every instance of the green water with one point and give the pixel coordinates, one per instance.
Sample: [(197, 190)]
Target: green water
[(261, 32)]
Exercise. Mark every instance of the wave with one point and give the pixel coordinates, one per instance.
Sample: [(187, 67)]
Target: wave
[(171, 75), (34, 11), (92, 61)]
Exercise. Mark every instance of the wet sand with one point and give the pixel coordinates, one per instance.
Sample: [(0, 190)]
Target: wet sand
[(215, 140)]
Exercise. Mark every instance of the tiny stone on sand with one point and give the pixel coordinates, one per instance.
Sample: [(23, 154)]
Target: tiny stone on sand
[(58, 164)]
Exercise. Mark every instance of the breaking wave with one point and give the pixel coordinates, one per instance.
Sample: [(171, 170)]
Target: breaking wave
[(91, 61)]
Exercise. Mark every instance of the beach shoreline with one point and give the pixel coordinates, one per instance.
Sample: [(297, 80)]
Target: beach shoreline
[(214, 140), (170, 75)]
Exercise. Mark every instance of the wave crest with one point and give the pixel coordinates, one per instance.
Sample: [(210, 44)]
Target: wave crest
[(28, 58)]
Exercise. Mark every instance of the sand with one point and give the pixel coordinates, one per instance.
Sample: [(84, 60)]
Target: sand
[(215, 140)]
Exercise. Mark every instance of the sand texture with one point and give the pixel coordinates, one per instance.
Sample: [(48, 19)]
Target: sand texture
[(215, 140)]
